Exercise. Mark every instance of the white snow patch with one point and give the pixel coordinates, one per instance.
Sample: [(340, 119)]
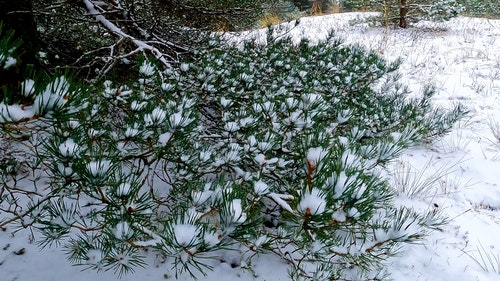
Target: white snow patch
[(312, 203), (123, 231), (10, 61), (237, 211), (260, 188), (315, 155), (68, 148), (186, 234), (98, 168)]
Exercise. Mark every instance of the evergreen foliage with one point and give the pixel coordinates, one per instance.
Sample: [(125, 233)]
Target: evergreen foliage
[(215, 14), (275, 147), (8, 46), (405, 12), (482, 8)]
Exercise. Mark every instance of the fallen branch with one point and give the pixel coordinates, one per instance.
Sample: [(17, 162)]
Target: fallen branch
[(140, 44)]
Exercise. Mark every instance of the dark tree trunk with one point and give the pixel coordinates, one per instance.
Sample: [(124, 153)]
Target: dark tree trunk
[(403, 12), (17, 15), (302, 4)]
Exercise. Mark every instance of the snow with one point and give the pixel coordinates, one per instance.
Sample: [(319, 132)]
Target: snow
[(164, 138), (28, 87), (236, 210), (185, 234), (54, 96), (147, 68), (123, 189), (98, 168), (123, 230), (260, 158), (10, 61), (280, 200), (343, 183), (158, 115), (312, 203), (95, 256), (136, 106), (315, 155), (184, 67), (131, 132), (14, 112), (200, 197), (260, 187), (461, 58), (339, 215), (68, 148)]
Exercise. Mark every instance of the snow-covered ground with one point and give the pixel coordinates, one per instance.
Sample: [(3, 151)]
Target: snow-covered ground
[(459, 174)]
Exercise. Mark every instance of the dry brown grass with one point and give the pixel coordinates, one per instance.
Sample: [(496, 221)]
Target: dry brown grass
[(270, 19), (316, 9), (335, 9)]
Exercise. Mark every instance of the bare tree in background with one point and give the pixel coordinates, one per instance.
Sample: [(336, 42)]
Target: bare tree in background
[(403, 12)]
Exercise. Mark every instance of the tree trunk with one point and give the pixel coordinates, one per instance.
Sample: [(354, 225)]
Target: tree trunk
[(17, 15), (403, 12)]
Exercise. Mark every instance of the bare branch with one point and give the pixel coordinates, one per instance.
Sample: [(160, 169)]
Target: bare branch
[(141, 45)]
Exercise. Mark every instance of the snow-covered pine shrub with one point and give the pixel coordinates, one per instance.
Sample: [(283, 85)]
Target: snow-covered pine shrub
[(439, 10), (260, 148), (406, 12), (26, 108), (356, 5), (481, 8)]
